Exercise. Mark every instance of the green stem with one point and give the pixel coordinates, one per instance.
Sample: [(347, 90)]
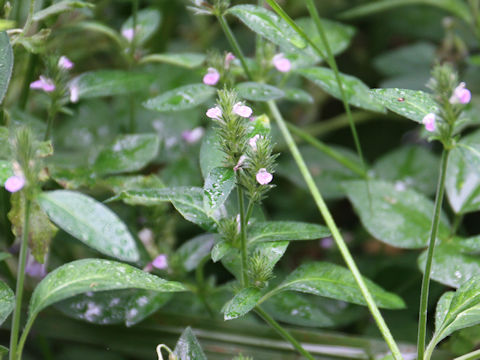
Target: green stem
[(327, 150), (335, 231), (29, 21), (32, 60), (422, 322), (338, 122), (51, 117), (470, 356), (200, 278), (235, 46), (133, 48), (243, 236), (429, 350), (276, 326), (23, 338), (249, 210), (20, 280)]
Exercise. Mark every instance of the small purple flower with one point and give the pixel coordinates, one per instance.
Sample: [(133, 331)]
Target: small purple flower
[(327, 243), (429, 122), (242, 110), (14, 183), (128, 34), (65, 63), (281, 63), (461, 95), (214, 113), (192, 136), (253, 141), (44, 84), (74, 95), (263, 176), (160, 262), (211, 77), (34, 269), (240, 163), (228, 59)]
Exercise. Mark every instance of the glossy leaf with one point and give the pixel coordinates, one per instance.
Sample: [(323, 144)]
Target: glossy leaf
[(267, 24), (218, 186), (412, 104), (220, 249), (336, 282), (60, 7), (443, 306), (456, 7), (124, 182), (210, 154), (242, 303), (188, 347), (258, 92), (86, 275), (148, 21), (451, 266), (7, 301), (186, 60), (356, 92), (192, 252), (110, 82), (285, 230), (127, 153), (298, 95), (395, 215), (182, 98), (409, 167), (6, 63), (90, 222), (462, 181)]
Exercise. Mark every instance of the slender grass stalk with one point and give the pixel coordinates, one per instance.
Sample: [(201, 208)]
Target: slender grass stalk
[(470, 356), (338, 122), (335, 231), (243, 236), (20, 280), (422, 322), (276, 326)]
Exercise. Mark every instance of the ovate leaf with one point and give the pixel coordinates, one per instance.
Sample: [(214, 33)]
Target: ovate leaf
[(210, 154), (285, 230), (148, 21), (182, 98), (188, 347), (7, 301), (6, 63), (93, 275), (242, 303), (298, 95), (193, 251), (259, 92), (186, 60), (218, 186), (90, 222), (60, 7)]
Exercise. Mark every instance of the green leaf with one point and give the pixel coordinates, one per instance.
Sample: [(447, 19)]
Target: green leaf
[(110, 82), (356, 92), (93, 275), (210, 154), (7, 301), (128, 306), (6, 170), (298, 95), (182, 98), (98, 27), (185, 60), (127, 153), (411, 167), (220, 249), (90, 222), (267, 24), (450, 265), (4, 256), (456, 7), (188, 347), (193, 251), (285, 230), (218, 186), (148, 21), (336, 282), (412, 104), (393, 214), (242, 303), (458, 310), (258, 92), (462, 181), (60, 7), (124, 182), (6, 63)]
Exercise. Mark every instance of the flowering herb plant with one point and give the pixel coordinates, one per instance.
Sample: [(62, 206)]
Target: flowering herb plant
[(162, 170)]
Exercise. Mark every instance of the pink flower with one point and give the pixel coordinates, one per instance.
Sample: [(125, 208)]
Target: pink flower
[(242, 110), (281, 63), (14, 183), (211, 77), (128, 34), (239, 163), (65, 63), (228, 59), (214, 113), (160, 262), (44, 84), (460, 95), (74, 96), (263, 176), (34, 269), (429, 122), (192, 136), (253, 141)]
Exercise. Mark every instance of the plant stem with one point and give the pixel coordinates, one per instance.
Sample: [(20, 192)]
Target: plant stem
[(335, 231), (470, 356), (133, 47), (327, 150), (51, 117), (422, 322), (32, 60), (20, 280), (200, 278), (23, 338), (243, 236), (234, 43), (276, 326)]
